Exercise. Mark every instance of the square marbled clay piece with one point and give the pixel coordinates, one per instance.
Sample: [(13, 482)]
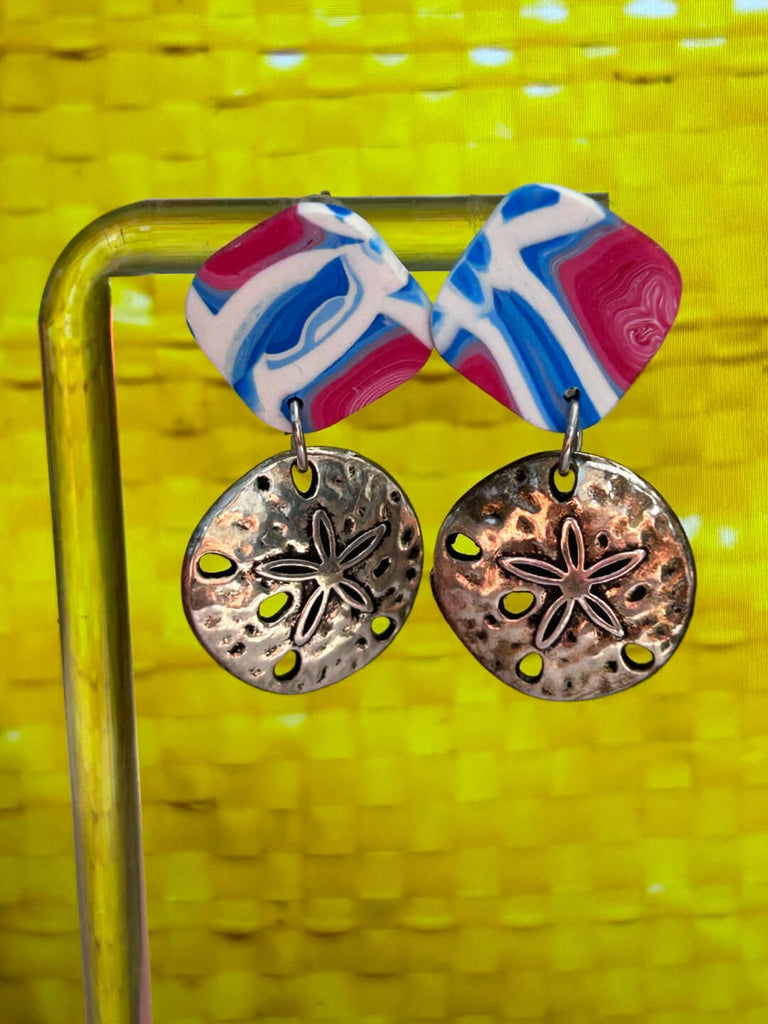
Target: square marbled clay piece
[(555, 292), (310, 304)]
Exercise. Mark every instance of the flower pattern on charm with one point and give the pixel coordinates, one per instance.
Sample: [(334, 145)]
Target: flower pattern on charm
[(575, 583), (328, 573)]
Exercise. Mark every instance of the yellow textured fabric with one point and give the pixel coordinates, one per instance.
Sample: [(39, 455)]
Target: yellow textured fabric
[(418, 843)]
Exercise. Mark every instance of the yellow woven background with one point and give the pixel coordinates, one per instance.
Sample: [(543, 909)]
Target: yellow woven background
[(418, 843)]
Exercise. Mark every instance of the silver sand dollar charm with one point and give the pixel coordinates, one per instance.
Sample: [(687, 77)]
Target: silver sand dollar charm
[(565, 594), (292, 587)]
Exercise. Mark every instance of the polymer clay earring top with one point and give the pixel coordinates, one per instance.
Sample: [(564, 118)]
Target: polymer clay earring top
[(556, 292), (311, 304)]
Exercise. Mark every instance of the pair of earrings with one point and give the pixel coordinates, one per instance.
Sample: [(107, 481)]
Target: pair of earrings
[(565, 574)]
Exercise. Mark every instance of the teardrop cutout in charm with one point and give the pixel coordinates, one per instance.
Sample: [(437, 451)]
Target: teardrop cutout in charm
[(305, 576), (605, 575)]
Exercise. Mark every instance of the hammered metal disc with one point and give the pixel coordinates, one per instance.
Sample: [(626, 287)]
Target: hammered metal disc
[(346, 556), (607, 570)]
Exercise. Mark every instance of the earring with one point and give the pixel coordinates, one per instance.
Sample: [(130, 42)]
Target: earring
[(306, 568), (565, 574)]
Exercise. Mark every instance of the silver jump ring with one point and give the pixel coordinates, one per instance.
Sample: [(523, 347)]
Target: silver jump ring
[(298, 444), (572, 439)]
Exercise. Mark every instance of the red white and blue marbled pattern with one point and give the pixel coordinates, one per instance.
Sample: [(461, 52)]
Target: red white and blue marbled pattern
[(555, 292), (311, 304)]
